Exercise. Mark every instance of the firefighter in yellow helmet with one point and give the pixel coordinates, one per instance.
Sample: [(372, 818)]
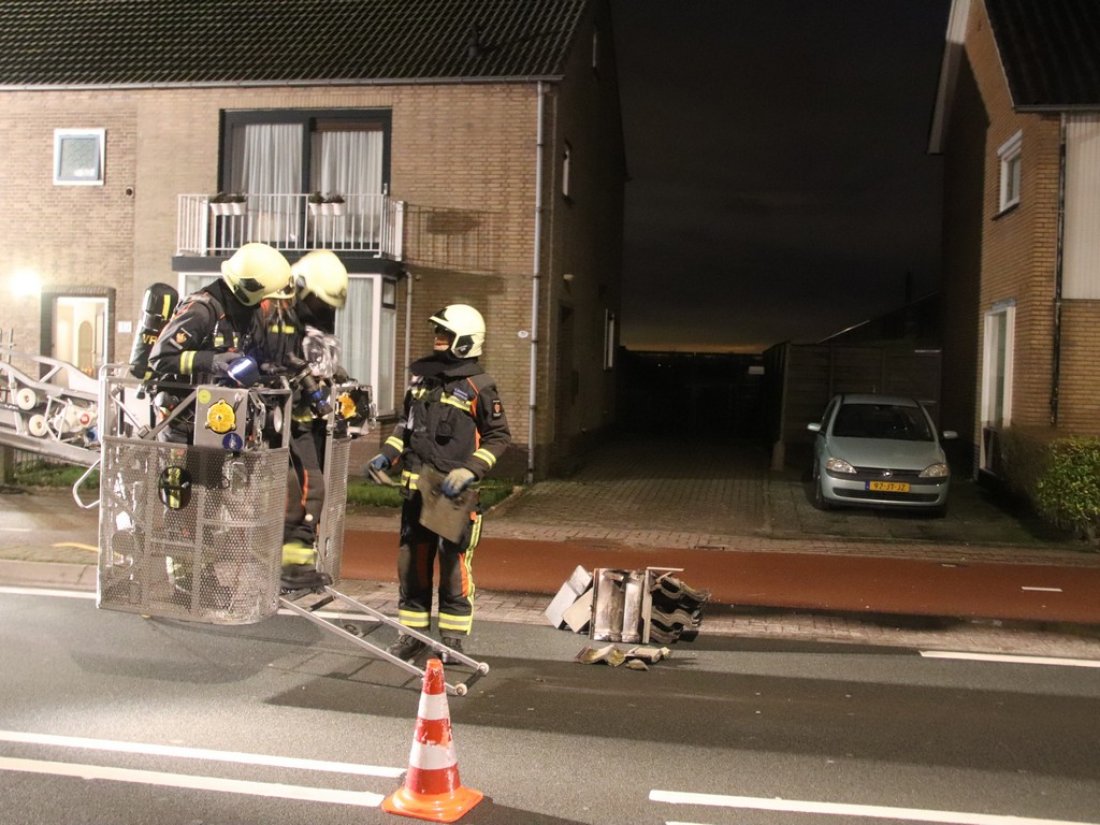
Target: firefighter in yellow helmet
[(213, 327), (452, 427), (319, 286)]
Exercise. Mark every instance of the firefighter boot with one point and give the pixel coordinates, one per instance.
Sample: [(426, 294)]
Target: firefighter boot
[(406, 647), (455, 644)]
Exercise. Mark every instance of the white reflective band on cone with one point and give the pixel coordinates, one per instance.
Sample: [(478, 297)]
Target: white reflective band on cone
[(432, 757), (433, 707)]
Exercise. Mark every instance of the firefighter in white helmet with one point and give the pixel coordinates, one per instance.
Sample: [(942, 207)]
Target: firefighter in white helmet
[(452, 426)]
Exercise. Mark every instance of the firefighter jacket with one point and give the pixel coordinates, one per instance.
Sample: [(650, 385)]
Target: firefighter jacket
[(207, 322), (452, 417)]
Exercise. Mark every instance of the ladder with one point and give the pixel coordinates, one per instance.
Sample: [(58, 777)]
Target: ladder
[(294, 602)]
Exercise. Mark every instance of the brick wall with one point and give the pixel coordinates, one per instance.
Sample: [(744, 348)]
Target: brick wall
[(1014, 251), (463, 157)]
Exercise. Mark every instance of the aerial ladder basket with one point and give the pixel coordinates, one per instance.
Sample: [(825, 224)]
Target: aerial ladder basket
[(192, 493)]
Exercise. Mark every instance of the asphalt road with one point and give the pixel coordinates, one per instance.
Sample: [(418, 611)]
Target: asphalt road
[(791, 733)]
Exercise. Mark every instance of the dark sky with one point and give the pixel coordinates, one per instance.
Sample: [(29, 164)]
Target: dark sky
[(780, 187)]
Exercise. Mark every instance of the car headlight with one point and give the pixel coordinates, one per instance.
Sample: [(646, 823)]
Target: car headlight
[(935, 471), (839, 465)]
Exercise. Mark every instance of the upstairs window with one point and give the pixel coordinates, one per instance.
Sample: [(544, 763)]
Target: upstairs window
[(1010, 157), (78, 156)]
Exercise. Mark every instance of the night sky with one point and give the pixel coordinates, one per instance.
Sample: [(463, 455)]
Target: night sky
[(780, 187)]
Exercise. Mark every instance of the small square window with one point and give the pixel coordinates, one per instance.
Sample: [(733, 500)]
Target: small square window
[(1011, 163), (78, 156)]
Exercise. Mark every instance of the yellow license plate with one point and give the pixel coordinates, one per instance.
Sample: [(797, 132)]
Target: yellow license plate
[(888, 486)]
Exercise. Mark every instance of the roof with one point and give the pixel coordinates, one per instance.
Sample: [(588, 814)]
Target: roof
[(278, 42), (1050, 51)]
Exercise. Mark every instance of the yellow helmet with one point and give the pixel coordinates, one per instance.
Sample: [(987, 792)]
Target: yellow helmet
[(254, 271), (321, 273)]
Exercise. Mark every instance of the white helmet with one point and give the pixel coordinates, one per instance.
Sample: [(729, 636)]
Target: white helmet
[(467, 325), (321, 273), (256, 270)]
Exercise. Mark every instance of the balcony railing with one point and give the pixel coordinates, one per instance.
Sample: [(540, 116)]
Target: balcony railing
[(363, 223)]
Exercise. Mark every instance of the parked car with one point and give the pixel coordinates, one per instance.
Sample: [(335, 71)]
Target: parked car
[(879, 450)]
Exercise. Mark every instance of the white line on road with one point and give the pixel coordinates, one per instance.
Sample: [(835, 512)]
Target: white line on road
[(1041, 589), (1009, 658), (44, 591), (199, 783), (872, 811), (16, 529), (198, 753), (86, 594)]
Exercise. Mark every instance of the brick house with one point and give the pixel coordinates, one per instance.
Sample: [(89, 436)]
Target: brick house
[(476, 146), (1017, 120)]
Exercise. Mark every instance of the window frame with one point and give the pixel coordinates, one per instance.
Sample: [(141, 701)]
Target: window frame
[(309, 120), (1010, 157), (59, 138)]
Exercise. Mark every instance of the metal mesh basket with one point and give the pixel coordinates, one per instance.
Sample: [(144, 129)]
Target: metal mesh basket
[(190, 532), (330, 535)]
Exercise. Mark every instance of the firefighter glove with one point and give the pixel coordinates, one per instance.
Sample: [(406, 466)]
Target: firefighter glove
[(457, 480), (220, 365)]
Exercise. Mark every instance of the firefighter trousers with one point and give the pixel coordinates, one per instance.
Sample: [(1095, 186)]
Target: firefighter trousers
[(416, 557), (305, 488)]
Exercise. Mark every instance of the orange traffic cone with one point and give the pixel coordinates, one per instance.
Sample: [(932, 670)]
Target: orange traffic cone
[(432, 789)]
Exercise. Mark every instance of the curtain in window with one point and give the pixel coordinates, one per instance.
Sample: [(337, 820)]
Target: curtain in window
[(355, 329), (267, 166), (350, 164)]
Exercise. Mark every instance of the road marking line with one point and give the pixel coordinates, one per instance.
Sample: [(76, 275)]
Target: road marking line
[(275, 790), (199, 753), (16, 529), (1007, 657), (45, 591), (90, 594), (91, 548), (1041, 589), (873, 811)]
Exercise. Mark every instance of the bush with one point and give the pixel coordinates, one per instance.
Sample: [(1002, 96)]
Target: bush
[(1067, 493), (47, 474)]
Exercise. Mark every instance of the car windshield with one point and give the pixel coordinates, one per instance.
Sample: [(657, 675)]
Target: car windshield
[(881, 421)]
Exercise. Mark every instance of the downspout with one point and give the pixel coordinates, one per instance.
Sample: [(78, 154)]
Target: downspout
[(1056, 342), (536, 281), (408, 318)]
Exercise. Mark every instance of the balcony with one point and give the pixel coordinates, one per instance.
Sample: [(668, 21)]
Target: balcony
[(364, 224)]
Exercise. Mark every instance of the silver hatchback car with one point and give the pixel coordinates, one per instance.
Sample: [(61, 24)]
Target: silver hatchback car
[(879, 450)]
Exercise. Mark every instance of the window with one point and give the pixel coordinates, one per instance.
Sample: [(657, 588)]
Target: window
[(78, 156), (608, 339), (1000, 330), (366, 329), (1010, 156), (566, 162), (276, 157)]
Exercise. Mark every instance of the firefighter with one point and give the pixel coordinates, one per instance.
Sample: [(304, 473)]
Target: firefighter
[(206, 341), (453, 423), (213, 327), (318, 287)]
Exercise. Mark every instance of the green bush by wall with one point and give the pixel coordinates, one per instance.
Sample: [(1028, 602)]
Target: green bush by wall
[(1058, 475)]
